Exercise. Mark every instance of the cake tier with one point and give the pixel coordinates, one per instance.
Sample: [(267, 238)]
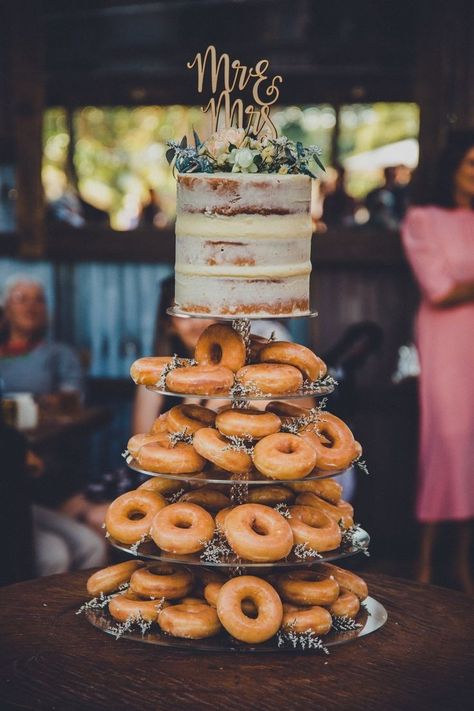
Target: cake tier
[(243, 244)]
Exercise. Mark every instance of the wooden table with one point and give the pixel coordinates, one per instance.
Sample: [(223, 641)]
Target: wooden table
[(52, 659), (83, 421)]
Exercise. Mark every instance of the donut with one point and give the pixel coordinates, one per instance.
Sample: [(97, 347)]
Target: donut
[(204, 576), (136, 442), (286, 410), (315, 528), (189, 418), (192, 618), (307, 587), (200, 380), (221, 517), (129, 605), (181, 459), (182, 528), (312, 367), (284, 456), (328, 489), (342, 512), (211, 593), (347, 580), (160, 424), (129, 517), (258, 533), (341, 451), (256, 345), (247, 422), (346, 605), (148, 371), (270, 495), (219, 344), (161, 580), (306, 619), (269, 378), (109, 579), (266, 601), (213, 446), (163, 486), (207, 497)]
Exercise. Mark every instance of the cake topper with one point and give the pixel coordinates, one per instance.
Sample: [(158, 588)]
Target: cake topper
[(224, 77)]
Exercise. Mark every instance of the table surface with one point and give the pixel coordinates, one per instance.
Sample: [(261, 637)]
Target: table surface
[(51, 658)]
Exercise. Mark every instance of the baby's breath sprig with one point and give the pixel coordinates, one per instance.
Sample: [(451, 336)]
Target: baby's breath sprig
[(294, 425), (300, 640), (343, 623), (240, 444), (181, 436), (241, 391), (361, 463), (133, 549), (283, 510), (303, 551), (312, 386), (217, 550), (135, 620), (101, 601), (127, 456), (174, 363), (175, 496), (350, 538)]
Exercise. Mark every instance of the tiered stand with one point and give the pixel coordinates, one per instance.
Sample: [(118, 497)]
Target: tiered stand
[(372, 614)]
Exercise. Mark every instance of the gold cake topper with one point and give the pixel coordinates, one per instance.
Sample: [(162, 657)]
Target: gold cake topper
[(227, 76)]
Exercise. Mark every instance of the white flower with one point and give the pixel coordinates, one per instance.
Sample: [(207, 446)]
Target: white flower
[(219, 142), (243, 157)]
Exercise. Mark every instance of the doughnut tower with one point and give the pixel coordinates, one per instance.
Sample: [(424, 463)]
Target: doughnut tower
[(235, 532)]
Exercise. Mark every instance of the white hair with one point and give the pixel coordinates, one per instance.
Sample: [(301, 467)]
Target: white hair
[(13, 281)]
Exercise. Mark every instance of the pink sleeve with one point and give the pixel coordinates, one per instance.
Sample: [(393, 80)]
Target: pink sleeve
[(425, 256)]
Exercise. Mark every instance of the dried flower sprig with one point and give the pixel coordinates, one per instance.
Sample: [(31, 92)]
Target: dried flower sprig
[(361, 463), (101, 601), (136, 620), (240, 444), (174, 363), (127, 456), (294, 425), (350, 538), (133, 549), (300, 640), (175, 496), (217, 550), (181, 436), (342, 623), (283, 510), (241, 391), (303, 551)]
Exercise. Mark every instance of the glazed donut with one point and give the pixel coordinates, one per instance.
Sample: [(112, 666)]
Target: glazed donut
[(200, 380), (109, 579), (307, 587), (346, 605), (266, 601), (147, 371), (221, 517), (163, 486), (211, 593), (286, 410), (341, 512), (207, 497), (284, 456), (129, 517), (270, 495), (136, 442), (162, 580), (213, 446), (328, 489), (160, 424), (204, 576), (192, 618), (256, 345), (315, 528), (270, 378), (341, 451), (249, 422), (347, 580), (219, 344), (306, 619), (182, 528), (258, 533), (181, 459), (189, 418), (312, 367), (124, 606)]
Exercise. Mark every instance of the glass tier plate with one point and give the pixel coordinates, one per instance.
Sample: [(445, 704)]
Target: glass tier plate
[(311, 391), (175, 311), (372, 617), (232, 480), (148, 550)]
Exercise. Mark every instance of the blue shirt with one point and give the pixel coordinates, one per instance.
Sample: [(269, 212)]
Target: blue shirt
[(47, 368)]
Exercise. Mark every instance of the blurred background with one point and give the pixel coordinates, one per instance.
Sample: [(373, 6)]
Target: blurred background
[(89, 94)]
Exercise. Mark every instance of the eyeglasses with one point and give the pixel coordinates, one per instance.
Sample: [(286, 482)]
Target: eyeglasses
[(27, 299)]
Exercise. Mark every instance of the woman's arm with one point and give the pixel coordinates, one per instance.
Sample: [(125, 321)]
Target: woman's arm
[(146, 408)]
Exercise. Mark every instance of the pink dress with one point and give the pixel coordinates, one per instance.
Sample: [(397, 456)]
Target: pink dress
[(439, 245)]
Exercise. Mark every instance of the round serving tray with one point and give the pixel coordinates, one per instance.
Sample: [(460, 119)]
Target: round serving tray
[(371, 617), (232, 480), (150, 551), (311, 391), (175, 311)]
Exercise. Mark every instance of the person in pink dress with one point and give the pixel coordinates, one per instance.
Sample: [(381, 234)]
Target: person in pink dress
[(439, 243)]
